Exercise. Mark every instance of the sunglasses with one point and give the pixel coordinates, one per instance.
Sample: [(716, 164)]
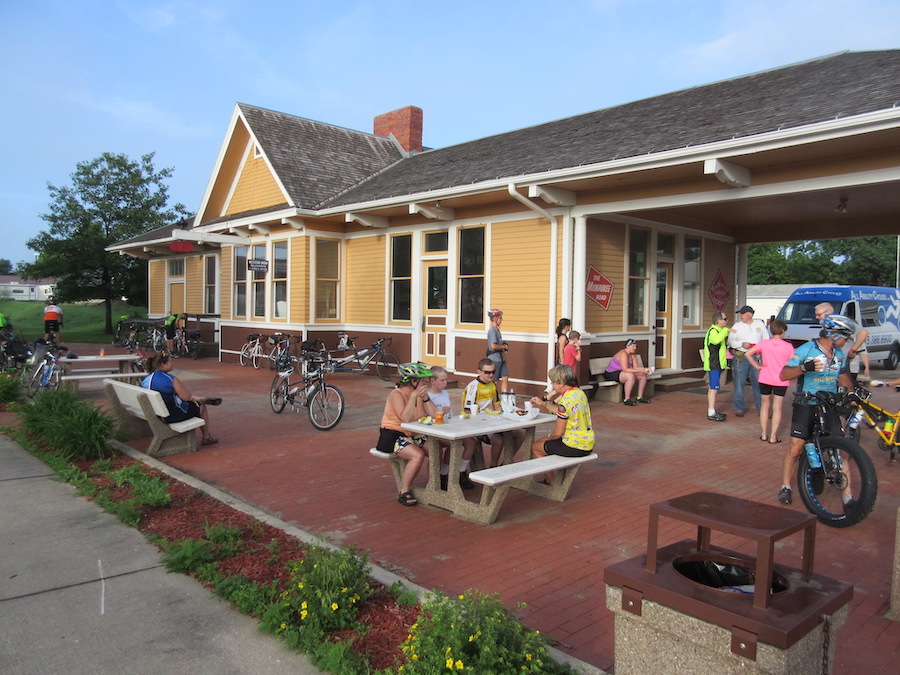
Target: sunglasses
[(487, 372)]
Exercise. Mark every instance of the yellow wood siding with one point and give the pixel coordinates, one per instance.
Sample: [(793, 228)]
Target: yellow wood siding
[(226, 261), (366, 264), (717, 255), (518, 271), (298, 282), (193, 278), (605, 252), (157, 287), (228, 169), (256, 187)]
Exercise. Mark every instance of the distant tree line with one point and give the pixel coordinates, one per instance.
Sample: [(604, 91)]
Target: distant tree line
[(866, 261)]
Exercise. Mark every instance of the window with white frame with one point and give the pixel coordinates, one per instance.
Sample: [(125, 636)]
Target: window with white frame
[(176, 268), (471, 275), (239, 302), (209, 284), (259, 282), (401, 277), (692, 306), (279, 278), (638, 276), (328, 278)]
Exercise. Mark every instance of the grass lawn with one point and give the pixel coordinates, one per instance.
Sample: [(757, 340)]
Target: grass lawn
[(83, 322)]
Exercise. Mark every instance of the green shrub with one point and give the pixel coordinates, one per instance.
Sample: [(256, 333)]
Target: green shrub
[(404, 596), (146, 490), (324, 594), (11, 389), (227, 540), (249, 597), (71, 427), (473, 633), (188, 555)]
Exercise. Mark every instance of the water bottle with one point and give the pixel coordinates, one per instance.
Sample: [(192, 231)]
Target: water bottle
[(889, 427), (812, 456), (855, 419), (293, 391)]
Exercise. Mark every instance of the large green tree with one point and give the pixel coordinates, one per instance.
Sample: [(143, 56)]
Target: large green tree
[(111, 198), (866, 261)]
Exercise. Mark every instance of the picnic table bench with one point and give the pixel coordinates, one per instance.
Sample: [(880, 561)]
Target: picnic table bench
[(110, 366), (496, 481), (140, 412)]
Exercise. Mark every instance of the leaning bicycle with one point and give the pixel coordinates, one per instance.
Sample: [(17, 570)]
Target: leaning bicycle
[(386, 364), (252, 351), (324, 402), (875, 417), (47, 370), (835, 477)]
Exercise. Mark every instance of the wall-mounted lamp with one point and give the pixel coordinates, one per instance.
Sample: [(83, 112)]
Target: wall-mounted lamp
[(842, 205)]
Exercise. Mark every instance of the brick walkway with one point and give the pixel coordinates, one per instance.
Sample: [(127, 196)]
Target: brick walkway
[(548, 555)]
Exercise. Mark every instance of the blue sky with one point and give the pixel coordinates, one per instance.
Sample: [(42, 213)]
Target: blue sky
[(84, 77)]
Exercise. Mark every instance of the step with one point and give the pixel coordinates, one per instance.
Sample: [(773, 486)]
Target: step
[(679, 383)]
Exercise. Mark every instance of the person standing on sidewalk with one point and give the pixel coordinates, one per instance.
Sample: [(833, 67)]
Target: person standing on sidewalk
[(715, 360), (745, 333), (774, 354), (820, 365), (497, 348)]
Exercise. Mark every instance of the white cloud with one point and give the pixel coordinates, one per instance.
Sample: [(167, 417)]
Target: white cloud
[(142, 115)]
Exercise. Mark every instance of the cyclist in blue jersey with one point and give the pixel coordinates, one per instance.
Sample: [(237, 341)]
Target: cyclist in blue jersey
[(820, 365)]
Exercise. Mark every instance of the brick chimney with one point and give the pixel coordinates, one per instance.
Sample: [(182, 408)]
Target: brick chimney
[(406, 126)]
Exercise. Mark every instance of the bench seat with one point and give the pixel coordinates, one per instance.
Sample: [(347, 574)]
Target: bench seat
[(140, 412), (613, 392)]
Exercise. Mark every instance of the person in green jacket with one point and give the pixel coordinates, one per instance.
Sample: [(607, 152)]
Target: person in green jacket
[(715, 360)]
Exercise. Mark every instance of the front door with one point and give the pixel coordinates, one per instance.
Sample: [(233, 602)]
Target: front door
[(176, 298), (663, 315), (434, 319)]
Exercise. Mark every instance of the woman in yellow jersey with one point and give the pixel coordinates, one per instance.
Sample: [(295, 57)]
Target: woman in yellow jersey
[(573, 434)]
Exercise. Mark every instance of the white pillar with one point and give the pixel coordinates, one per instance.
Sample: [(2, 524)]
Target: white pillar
[(579, 273)]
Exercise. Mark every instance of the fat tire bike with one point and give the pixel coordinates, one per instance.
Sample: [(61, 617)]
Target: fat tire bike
[(844, 469), (324, 402)]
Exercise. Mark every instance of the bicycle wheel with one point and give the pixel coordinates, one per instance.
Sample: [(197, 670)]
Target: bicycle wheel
[(326, 407), (246, 353), (34, 384), (847, 472), (256, 355), (273, 356), (386, 366), (159, 341), (278, 394), (193, 349)]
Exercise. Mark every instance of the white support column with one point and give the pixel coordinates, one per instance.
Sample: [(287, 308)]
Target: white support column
[(740, 276), (568, 256), (579, 273)]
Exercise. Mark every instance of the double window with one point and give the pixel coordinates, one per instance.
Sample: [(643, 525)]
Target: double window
[(279, 278), (209, 284), (691, 298), (638, 276), (239, 300)]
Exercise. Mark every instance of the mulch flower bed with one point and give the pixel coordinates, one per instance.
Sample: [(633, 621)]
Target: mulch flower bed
[(189, 513)]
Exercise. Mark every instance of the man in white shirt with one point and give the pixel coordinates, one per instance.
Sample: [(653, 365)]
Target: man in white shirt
[(745, 333)]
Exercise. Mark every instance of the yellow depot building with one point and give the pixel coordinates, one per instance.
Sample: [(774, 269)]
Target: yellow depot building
[(631, 221)]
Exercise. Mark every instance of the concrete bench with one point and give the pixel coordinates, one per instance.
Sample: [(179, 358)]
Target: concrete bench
[(613, 392), (140, 413), (71, 380), (498, 480)]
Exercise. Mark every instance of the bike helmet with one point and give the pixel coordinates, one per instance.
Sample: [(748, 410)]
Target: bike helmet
[(837, 326), (493, 313), (414, 371)]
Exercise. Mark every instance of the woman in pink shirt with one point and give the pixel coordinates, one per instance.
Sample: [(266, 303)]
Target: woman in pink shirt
[(572, 352), (774, 353)]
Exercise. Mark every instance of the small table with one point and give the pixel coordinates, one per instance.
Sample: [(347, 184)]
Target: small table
[(762, 523), (124, 361), (455, 430)]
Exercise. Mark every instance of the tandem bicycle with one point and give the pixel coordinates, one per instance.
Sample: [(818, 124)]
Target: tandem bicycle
[(385, 363), (324, 402)]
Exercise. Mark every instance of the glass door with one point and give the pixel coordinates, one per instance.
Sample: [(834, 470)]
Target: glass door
[(434, 320)]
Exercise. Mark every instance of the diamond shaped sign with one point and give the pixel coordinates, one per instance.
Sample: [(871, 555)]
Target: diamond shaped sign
[(598, 288), (719, 291)]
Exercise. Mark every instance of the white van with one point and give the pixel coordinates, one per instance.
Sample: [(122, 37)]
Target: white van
[(875, 308)]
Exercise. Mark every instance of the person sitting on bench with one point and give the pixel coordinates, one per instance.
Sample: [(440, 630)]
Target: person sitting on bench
[(182, 405), (573, 434)]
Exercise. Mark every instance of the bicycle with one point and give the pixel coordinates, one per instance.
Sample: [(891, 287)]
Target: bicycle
[(872, 415), (280, 354), (836, 479), (324, 402), (14, 353), (47, 370), (155, 339), (186, 343), (386, 364), (252, 351)]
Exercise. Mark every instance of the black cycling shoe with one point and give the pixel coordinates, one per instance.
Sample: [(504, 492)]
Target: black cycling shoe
[(443, 481), (464, 481)]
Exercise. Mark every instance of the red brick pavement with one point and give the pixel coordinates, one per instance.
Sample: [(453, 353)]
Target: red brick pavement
[(548, 555)]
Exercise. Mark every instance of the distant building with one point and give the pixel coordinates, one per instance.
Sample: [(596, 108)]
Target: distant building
[(18, 288), (768, 299)]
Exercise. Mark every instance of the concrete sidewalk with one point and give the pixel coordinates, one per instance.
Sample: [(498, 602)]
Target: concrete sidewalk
[(80, 592)]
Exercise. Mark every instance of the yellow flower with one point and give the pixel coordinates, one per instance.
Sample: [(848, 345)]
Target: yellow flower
[(283, 626), (334, 606), (459, 664), (303, 615), (300, 585), (450, 664), (303, 605), (462, 597), (471, 638), (415, 657)]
